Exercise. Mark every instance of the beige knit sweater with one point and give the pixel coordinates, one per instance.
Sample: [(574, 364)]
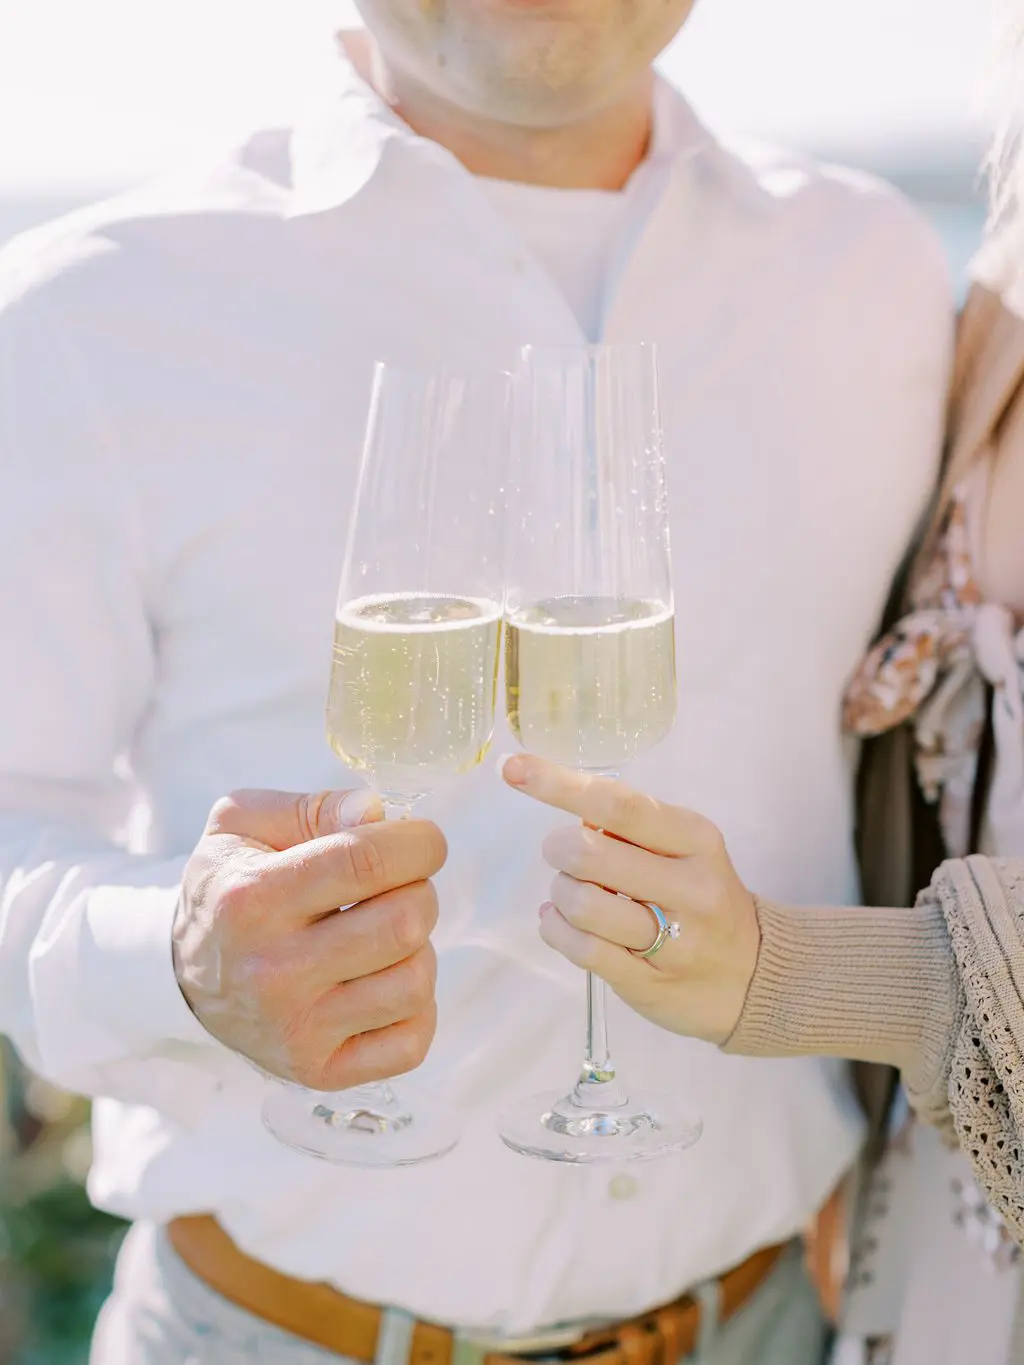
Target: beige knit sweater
[(935, 990)]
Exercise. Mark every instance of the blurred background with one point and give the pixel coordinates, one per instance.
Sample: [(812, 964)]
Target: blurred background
[(97, 94)]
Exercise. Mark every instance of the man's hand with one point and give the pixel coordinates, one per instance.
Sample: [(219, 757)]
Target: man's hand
[(273, 965), (632, 851)]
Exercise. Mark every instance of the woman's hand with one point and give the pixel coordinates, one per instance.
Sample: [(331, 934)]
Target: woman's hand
[(648, 853)]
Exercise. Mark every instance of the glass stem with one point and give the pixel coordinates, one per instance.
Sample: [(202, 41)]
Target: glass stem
[(376, 1095), (598, 1086), (597, 1063)]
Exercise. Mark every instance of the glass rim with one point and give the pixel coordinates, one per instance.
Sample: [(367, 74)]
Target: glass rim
[(445, 370), (590, 349)]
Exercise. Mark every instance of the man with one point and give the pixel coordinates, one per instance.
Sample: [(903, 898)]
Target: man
[(185, 382)]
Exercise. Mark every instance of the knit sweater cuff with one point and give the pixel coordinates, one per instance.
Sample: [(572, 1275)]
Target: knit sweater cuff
[(870, 985)]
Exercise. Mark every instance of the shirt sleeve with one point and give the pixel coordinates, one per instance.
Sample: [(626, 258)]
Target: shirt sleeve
[(87, 988), (872, 985)]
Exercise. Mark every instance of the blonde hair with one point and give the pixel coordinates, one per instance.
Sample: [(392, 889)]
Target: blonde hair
[(999, 265), (1006, 159)]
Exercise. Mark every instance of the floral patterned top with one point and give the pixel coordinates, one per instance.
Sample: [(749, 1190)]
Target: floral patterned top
[(934, 666)]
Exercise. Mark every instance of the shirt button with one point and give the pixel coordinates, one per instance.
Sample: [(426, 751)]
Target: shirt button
[(622, 1187)]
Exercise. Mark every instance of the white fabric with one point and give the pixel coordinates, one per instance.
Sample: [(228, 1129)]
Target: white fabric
[(581, 238), (184, 384), (572, 235)]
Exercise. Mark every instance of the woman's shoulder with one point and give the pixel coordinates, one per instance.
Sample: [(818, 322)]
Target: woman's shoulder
[(997, 270), (991, 314), (988, 372)]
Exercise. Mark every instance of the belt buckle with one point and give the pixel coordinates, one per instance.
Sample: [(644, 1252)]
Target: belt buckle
[(471, 1349)]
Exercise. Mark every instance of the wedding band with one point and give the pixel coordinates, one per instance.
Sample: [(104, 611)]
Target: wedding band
[(666, 929)]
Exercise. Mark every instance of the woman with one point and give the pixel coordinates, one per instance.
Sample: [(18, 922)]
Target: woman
[(935, 989)]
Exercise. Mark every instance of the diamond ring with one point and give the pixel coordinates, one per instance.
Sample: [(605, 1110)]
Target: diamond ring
[(666, 929)]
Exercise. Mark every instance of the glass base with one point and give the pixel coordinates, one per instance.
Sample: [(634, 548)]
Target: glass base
[(555, 1126), (370, 1126)]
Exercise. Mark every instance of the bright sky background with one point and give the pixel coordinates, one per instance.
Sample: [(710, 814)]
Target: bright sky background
[(94, 92)]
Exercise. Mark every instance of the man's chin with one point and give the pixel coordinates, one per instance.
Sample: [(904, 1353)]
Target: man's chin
[(532, 107), (533, 85)]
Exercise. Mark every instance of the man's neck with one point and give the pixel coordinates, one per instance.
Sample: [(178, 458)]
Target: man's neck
[(599, 152)]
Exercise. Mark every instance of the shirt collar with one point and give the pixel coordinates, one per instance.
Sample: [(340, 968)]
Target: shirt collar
[(339, 143)]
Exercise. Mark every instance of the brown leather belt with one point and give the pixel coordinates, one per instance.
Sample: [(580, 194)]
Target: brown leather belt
[(320, 1314)]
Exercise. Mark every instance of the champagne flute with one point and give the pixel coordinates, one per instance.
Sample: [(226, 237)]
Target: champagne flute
[(590, 663), (414, 675)]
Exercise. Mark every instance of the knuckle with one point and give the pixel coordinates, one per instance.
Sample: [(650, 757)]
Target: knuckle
[(706, 890), (585, 851), (236, 901), (307, 814), (550, 849), (421, 980), (435, 848), (572, 897), (426, 894), (569, 850), (225, 813), (560, 891), (413, 1043), (224, 806), (628, 807), (708, 837), (236, 812), (362, 862), (409, 926), (588, 954)]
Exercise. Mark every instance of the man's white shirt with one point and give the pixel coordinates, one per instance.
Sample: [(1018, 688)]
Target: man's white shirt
[(184, 376)]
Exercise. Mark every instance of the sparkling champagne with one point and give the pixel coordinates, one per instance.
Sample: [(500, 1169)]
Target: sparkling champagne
[(591, 681), (413, 686)]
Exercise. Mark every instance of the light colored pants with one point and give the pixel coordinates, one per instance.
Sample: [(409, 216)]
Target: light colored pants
[(161, 1314)]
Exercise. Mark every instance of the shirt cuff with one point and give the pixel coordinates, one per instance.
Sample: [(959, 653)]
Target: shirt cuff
[(127, 966), (869, 985)]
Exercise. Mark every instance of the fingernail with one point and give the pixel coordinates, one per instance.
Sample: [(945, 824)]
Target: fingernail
[(545, 907), (513, 769), (358, 807)]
